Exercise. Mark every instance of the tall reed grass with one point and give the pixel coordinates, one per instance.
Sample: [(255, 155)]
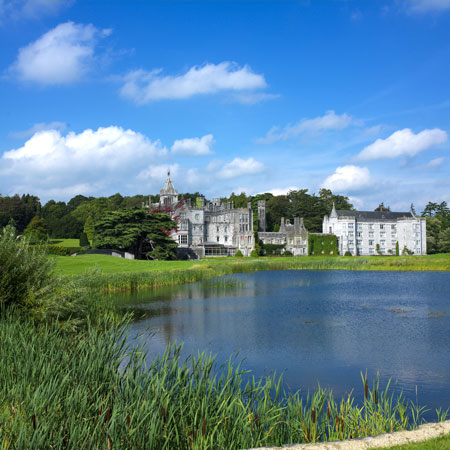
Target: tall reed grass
[(88, 390)]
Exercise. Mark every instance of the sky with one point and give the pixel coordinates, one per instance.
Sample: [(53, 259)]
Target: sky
[(100, 97)]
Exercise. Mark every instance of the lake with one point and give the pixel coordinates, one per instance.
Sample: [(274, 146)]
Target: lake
[(313, 326)]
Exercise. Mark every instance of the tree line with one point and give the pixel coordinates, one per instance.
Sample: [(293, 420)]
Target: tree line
[(80, 214)]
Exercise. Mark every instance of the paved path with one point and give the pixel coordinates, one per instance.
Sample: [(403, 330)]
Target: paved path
[(424, 432)]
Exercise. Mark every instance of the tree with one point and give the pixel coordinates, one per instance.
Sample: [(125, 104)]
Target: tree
[(137, 232), (381, 207), (397, 249), (36, 231), (89, 228), (444, 241), (84, 241)]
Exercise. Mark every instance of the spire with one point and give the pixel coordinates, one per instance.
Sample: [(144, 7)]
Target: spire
[(333, 211)]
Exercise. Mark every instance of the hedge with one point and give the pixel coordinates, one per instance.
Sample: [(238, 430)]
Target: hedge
[(322, 244)]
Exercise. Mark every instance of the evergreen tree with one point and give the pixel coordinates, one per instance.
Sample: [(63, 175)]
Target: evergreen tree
[(89, 228), (36, 231)]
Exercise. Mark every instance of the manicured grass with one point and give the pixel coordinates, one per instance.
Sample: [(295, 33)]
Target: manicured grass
[(108, 264), (441, 443), (65, 242)]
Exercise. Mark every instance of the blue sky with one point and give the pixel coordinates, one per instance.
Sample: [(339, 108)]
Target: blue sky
[(102, 97)]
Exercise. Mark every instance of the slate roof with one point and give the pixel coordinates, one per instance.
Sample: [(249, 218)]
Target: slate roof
[(367, 216)]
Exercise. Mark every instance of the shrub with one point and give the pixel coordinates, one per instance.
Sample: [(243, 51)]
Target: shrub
[(397, 249), (288, 253), (84, 241), (322, 244), (347, 253), (25, 271), (254, 254), (238, 254)]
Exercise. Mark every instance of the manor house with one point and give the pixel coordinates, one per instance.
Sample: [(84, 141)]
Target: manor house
[(374, 232), (219, 229)]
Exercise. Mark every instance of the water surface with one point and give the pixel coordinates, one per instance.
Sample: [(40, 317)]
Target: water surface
[(313, 326)]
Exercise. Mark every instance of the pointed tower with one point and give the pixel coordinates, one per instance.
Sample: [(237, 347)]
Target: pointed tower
[(168, 195), (261, 215), (333, 211)]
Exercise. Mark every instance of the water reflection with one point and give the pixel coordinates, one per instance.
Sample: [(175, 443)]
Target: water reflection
[(314, 326)]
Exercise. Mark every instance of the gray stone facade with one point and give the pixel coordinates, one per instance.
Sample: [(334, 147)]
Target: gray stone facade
[(207, 228), (362, 232)]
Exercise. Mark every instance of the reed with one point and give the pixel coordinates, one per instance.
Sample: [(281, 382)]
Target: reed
[(88, 390)]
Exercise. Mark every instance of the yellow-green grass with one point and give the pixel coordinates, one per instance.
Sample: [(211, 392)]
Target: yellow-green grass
[(65, 242), (76, 265), (440, 443)]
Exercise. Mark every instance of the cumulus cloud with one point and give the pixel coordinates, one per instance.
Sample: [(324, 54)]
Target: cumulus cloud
[(100, 160), (420, 6), (348, 178), (329, 121), (403, 143), (281, 191), (239, 167), (437, 162), (194, 146), (142, 86), (61, 56)]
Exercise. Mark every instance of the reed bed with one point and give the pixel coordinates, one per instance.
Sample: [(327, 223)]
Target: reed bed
[(88, 390), (133, 281)]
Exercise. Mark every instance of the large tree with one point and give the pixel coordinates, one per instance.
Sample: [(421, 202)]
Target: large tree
[(137, 232)]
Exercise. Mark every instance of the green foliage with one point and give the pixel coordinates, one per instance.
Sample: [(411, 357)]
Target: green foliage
[(137, 232), (273, 249), (25, 272), (381, 207), (322, 244), (397, 249), (36, 231), (84, 241), (238, 254), (444, 241), (287, 253), (90, 391), (407, 251), (377, 248), (20, 209), (347, 253), (89, 228), (254, 254), (259, 245)]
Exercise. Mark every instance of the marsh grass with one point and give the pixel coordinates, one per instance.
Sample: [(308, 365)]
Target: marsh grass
[(88, 390)]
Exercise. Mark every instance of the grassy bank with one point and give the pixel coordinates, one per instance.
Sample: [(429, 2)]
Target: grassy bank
[(112, 274), (86, 390), (440, 443)]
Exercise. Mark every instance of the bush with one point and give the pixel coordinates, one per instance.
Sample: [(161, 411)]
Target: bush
[(288, 253), (84, 241), (347, 253), (254, 254), (25, 271), (322, 244), (238, 254), (273, 249)]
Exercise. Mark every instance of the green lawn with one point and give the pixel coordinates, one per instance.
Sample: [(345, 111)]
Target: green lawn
[(65, 242), (76, 265), (441, 443)]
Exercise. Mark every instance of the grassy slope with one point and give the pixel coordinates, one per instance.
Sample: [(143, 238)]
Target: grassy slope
[(76, 265), (65, 242)]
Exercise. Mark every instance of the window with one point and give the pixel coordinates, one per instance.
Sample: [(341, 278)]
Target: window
[(183, 239), (393, 235), (382, 242), (197, 217), (217, 238), (370, 226), (381, 226), (226, 238), (393, 227), (350, 242), (226, 229), (350, 234), (217, 229), (371, 251), (350, 226), (370, 234), (359, 241), (383, 234), (371, 242), (359, 233)]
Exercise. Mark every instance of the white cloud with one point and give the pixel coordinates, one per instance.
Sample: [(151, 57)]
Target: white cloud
[(62, 55), (329, 121), (348, 178), (420, 6), (60, 126), (281, 191), (402, 143), (142, 86), (102, 160), (437, 162), (239, 167), (194, 146)]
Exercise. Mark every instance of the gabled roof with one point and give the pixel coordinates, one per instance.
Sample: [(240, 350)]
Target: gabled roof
[(374, 215)]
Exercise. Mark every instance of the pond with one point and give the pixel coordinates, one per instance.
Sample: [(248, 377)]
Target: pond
[(314, 327)]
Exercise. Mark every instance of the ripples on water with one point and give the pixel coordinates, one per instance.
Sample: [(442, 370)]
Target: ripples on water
[(314, 327)]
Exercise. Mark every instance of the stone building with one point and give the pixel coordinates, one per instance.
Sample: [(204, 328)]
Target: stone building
[(293, 236), (207, 228), (370, 232)]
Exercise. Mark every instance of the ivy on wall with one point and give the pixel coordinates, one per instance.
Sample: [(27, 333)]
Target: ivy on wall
[(273, 249), (322, 244)]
